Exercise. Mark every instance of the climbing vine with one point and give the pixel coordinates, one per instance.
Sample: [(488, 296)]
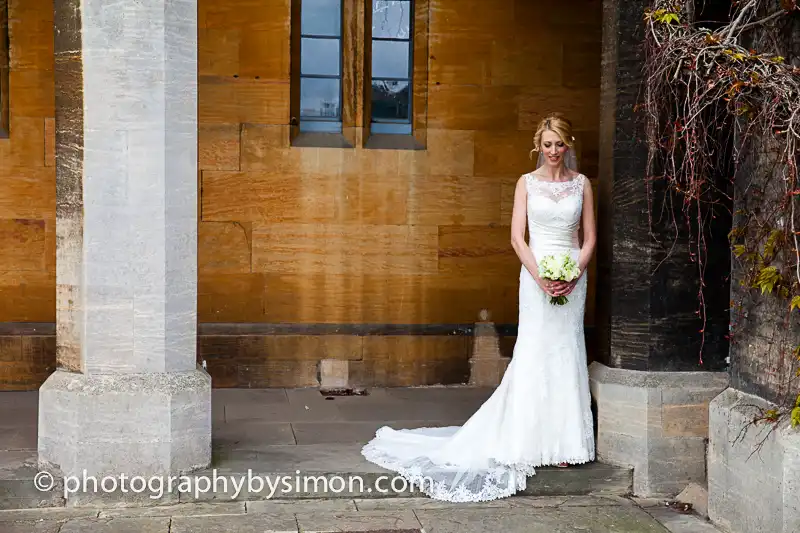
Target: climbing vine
[(721, 109)]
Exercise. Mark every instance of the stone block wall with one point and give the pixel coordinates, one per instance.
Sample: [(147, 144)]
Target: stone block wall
[(382, 257)]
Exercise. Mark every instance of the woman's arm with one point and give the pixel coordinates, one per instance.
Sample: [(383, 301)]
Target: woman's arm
[(519, 218), (589, 228)]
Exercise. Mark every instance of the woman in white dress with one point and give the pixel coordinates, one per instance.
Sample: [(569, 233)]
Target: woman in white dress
[(540, 414)]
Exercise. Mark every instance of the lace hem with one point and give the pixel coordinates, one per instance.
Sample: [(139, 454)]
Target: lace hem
[(500, 481)]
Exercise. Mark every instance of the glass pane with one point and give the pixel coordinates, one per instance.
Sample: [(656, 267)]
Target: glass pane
[(390, 100), (319, 98), (391, 18), (321, 17), (320, 57), (390, 59)]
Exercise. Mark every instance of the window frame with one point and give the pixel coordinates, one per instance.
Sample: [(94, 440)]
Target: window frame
[(393, 127), (321, 124), (5, 67), (356, 82), (417, 138)]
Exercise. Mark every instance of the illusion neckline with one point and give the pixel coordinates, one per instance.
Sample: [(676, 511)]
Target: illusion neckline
[(537, 178)]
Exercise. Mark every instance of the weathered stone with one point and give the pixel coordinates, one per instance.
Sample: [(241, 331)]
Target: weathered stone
[(697, 496), (513, 515), (647, 282), (522, 502), (752, 469), (487, 372), (249, 523), (664, 442), (113, 424), (32, 527), (320, 522), (417, 503), (298, 505), (53, 513), (109, 410), (116, 525), (676, 522), (588, 501), (594, 519), (134, 401), (251, 434), (340, 432), (195, 509), (487, 364), (685, 420), (334, 374), (17, 490)]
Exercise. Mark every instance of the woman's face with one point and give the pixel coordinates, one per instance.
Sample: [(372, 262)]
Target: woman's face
[(553, 148)]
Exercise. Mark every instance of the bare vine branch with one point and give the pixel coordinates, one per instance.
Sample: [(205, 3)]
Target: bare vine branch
[(702, 84)]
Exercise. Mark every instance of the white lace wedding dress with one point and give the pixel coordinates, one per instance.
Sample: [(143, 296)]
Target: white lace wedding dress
[(540, 414)]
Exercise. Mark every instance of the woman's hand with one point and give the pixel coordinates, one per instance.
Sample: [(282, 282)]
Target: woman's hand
[(545, 284), (567, 287), (558, 288), (551, 287)]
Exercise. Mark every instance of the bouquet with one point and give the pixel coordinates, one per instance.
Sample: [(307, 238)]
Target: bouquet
[(559, 268)]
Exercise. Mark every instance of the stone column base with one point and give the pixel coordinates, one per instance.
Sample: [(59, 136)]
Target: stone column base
[(132, 424), (487, 372), (486, 364), (655, 422), (753, 470)]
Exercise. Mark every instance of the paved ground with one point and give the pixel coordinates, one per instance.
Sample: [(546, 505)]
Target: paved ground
[(519, 514), (278, 432)]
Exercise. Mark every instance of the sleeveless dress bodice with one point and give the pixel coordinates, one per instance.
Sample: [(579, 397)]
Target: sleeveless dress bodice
[(554, 214)]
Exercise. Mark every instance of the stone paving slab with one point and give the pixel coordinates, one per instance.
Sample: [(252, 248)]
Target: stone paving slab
[(296, 506), (48, 513), (17, 491), (250, 523), (283, 432), (418, 503), (518, 514), (251, 434), (325, 522), (597, 519), (116, 525), (676, 522), (31, 527), (339, 470), (182, 509), (22, 437), (356, 432)]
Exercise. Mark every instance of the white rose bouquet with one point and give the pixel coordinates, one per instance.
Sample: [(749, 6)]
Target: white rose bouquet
[(559, 268)]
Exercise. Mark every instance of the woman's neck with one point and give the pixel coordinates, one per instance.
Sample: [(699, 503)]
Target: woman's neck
[(559, 173)]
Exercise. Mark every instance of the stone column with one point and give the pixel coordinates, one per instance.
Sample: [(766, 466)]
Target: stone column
[(754, 469), (128, 396), (651, 392)]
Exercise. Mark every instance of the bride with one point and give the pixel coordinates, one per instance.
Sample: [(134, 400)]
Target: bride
[(540, 414)]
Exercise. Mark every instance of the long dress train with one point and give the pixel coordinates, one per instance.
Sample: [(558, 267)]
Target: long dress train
[(540, 413)]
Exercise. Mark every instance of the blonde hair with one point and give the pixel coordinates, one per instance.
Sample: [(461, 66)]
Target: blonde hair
[(557, 123)]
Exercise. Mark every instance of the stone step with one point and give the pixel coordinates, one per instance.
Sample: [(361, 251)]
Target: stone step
[(17, 489), (288, 472), (589, 479), (343, 464)]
